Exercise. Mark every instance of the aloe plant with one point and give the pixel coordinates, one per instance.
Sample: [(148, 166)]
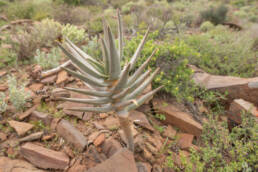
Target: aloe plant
[(113, 88)]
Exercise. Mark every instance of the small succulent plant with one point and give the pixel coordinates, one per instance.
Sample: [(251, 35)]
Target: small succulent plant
[(113, 88)]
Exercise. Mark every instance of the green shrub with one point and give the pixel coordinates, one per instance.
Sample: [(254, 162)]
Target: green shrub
[(29, 10), (225, 151), (42, 34), (48, 60), (221, 52), (3, 104), (75, 34), (7, 57), (206, 26), (94, 26), (73, 15), (172, 59), (17, 94), (216, 15), (93, 48)]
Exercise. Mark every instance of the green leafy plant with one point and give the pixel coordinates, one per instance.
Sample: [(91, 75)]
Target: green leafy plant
[(48, 60), (18, 95), (3, 104), (73, 33), (206, 26), (116, 90), (223, 150), (29, 9), (216, 15), (172, 58)]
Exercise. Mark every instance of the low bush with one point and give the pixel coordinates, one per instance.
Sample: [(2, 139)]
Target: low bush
[(237, 49), (73, 15), (44, 34), (3, 104), (206, 26), (216, 15), (223, 150), (29, 9), (17, 94), (48, 60), (73, 33), (173, 60), (7, 57)]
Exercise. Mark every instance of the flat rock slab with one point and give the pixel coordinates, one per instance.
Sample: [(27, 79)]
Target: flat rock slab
[(66, 105), (25, 114), (239, 106), (177, 118), (49, 79), (71, 134), (185, 140), (245, 88), (9, 165), (62, 77), (20, 127), (36, 86), (110, 147), (44, 158), (122, 161), (45, 118), (111, 123), (140, 119), (31, 137)]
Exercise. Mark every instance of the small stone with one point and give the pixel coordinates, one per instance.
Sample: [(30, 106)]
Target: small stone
[(93, 136), (92, 152), (3, 137), (68, 151), (111, 123), (185, 140), (140, 119), (110, 147), (103, 115), (148, 155), (54, 123), (17, 165), (175, 117), (77, 167), (20, 127), (36, 87), (39, 116), (143, 167), (48, 137), (169, 132), (44, 158), (62, 77), (2, 73), (60, 92), (98, 125), (99, 140), (31, 137), (49, 80), (122, 161), (25, 114), (3, 87), (71, 134), (238, 106)]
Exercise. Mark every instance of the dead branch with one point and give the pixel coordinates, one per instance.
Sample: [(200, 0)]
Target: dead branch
[(14, 23), (55, 70)]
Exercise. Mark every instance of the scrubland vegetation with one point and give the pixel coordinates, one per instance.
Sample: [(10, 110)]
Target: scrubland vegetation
[(219, 37)]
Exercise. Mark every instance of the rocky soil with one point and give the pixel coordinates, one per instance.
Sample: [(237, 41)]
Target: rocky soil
[(47, 137)]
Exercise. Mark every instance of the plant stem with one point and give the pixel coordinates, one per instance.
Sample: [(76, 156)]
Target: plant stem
[(125, 125)]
